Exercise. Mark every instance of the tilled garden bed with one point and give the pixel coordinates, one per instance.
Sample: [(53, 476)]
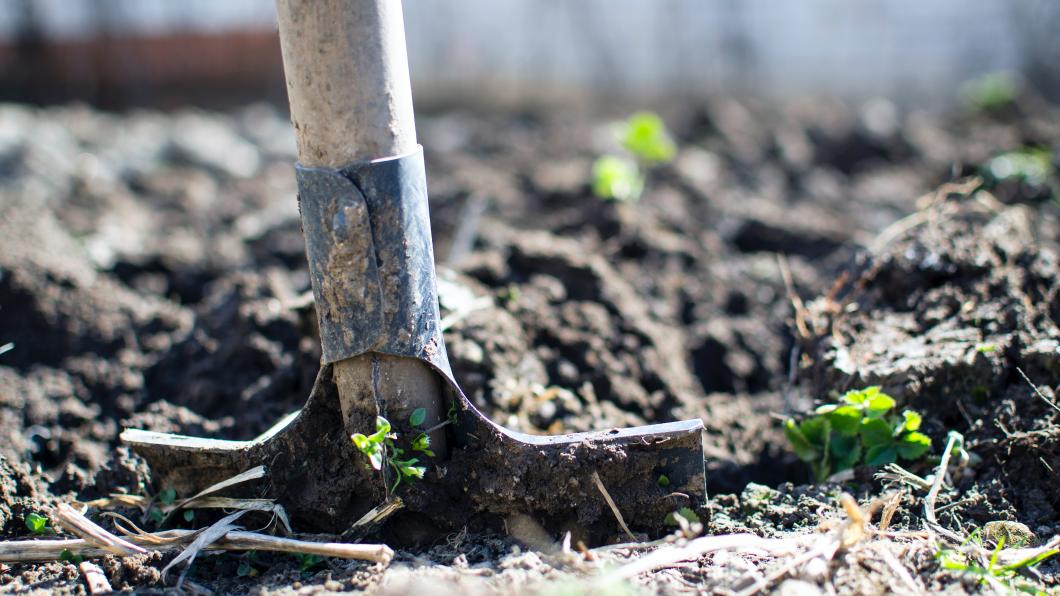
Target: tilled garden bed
[(152, 274)]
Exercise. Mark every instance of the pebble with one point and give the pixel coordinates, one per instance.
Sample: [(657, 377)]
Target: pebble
[(798, 587)]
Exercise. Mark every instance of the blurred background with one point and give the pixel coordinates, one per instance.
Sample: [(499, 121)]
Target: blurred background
[(119, 53)]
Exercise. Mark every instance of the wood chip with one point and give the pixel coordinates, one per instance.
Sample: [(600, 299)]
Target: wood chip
[(95, 580)]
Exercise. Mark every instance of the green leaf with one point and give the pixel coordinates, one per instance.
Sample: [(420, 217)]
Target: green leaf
[(361, 442), (246, 569), (911, 420), (684, 512), (422, 443), (881, 455), (879, 404), (859, 396), (816, 431), (375, 457), (644, 135), (70, 557), (799, 443), (663, 480), (189, 515), (38, 524), (845, 452), (617, 178), (308, 561), (913, 445), (875, 431), (419, 415), (413, 471), (845, 420), (167, 496), (371, 447), (382, 429)]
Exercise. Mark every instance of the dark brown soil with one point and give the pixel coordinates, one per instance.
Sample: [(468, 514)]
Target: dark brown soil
[(152, 275)]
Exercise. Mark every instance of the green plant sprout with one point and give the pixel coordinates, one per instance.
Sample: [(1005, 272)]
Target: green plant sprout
[(167, 496), (453, 415), (686, 513), (1032, 165), (68, 556), (381, 446), (990, 93), (246, 569), (1004, 578), (643, 136), (307, 561), (617, 178), (247, 565), (859, 429), (38, 524)]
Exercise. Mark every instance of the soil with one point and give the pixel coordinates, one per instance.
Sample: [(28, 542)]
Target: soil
[(152, 275)]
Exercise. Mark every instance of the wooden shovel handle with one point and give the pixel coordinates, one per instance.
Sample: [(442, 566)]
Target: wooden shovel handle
[(347, 79), (348, 85)]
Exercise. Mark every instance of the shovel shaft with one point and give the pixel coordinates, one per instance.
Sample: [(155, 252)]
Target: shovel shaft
[(347, 79), (351, 100)]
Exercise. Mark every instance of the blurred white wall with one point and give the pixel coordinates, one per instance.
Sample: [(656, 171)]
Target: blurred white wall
[(911, 50)]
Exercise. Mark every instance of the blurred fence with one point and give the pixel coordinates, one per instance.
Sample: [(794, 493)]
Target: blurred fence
[(156, 51)]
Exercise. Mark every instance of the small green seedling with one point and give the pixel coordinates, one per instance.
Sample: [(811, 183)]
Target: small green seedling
[(247, 565), (422, 443), (453, 415), (189, 515), (38, 524), (380, 446), (645, 140), (990, 93), (859, 429), (246, 569), (1030, 165), (68, 556), (644, 136), (663, 480), (167, 496), (617, 178), (1003, 578), (307, 562), (986, 348), (686, 513)]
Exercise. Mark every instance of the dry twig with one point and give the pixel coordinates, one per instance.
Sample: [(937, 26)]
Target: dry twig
[(1037, 391), (889, 510), (21, 551), (667, 556), (79, 525), (940, 474), (251, 474), (611, 503)]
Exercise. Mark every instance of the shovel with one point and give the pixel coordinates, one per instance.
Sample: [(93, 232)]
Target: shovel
[(363, 203)]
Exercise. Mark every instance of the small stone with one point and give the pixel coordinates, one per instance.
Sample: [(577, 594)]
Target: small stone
[(1014, 533), (798, 587)]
